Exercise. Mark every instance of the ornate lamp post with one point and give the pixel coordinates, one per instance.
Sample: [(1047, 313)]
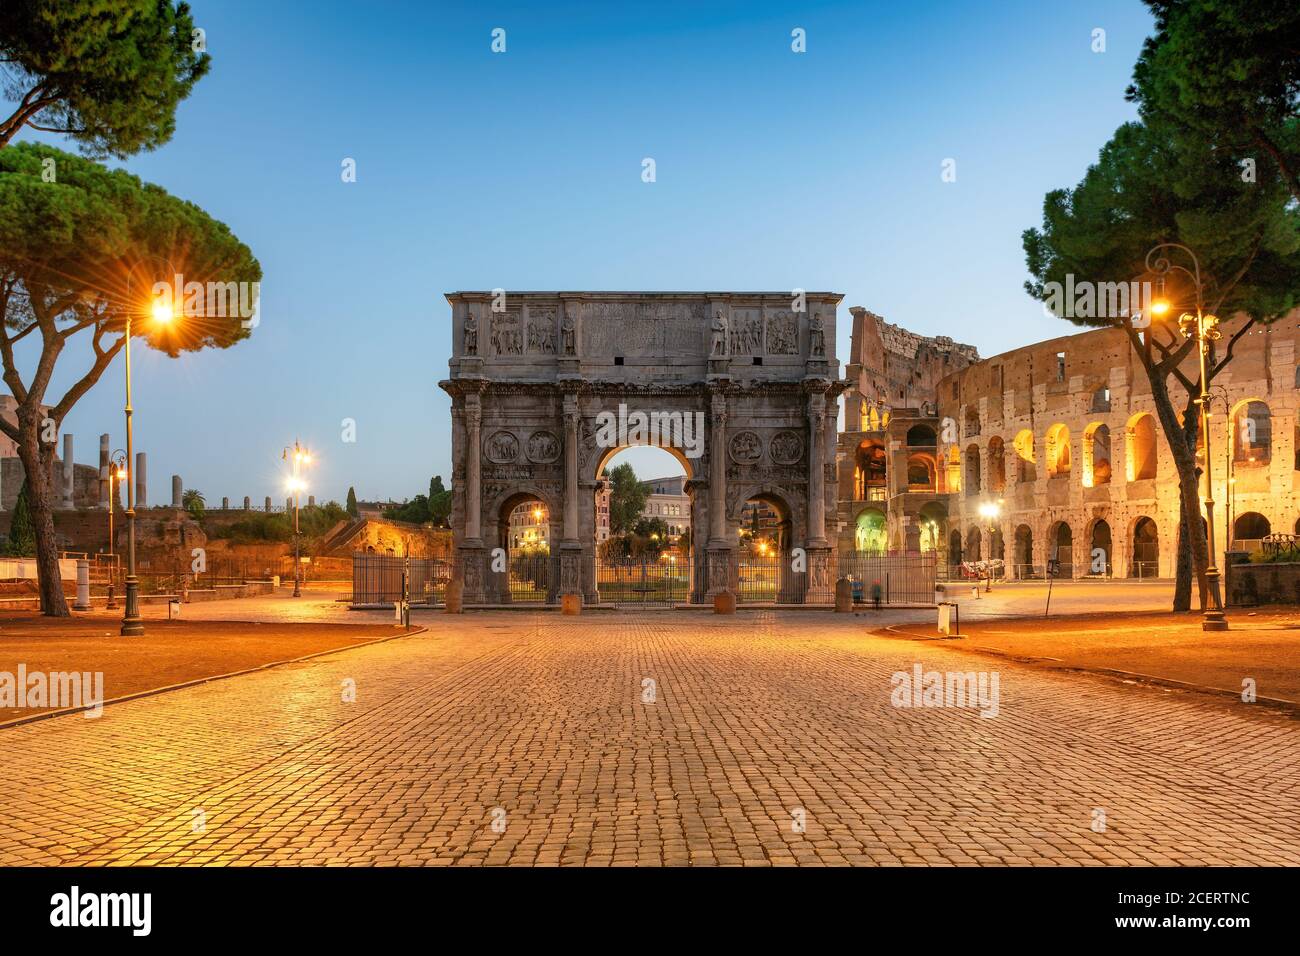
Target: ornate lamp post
[(116, 471), (301, 456), (1204, 328), (132, 623), (990, 511)]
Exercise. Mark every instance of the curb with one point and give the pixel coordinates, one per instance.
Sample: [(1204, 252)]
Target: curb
[(49, 714), (1055, 663)]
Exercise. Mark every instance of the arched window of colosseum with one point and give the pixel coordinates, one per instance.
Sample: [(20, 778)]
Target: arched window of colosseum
[(1141, 448), (1026, 462), (972, 422), (973, 478), (920, 473), (921, 436), (1249, 528), (952, 475), (1252, 433), (869, 473), (997, 465), (1096, 455), (1058, 451)]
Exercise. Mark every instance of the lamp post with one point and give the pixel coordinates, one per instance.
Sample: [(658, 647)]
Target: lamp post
[(989, 511), (1204, 327), (132, 623), (116, 470), (301, 456)]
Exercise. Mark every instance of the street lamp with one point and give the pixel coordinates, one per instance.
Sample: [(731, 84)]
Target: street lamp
[(1204, 327), (116, 472), (301, 456), (162, 312), (989, 511)]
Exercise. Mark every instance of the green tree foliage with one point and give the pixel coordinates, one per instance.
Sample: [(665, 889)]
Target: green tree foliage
[(108, 73), (352, 502), (1151, 185), (1227, 73), (22, 538), (192, 501), (81, 247), (439, 503), (415, 511), (627, 498)]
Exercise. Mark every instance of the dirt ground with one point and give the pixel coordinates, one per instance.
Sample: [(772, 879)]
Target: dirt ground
[(1263, 645), (170, 652)]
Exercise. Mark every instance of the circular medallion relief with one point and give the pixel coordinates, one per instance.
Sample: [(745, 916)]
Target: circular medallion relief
[(543, 447), (502, 448), (786, 448), (746, 448)]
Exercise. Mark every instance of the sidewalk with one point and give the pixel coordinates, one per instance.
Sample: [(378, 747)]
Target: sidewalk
[(1263, 646)]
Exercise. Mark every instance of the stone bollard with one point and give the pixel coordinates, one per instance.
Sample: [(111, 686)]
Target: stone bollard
[(843, 596), (724, 602), (571, 604), (454, 603), (83, 585)]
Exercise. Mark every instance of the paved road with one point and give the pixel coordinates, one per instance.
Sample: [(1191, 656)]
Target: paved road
[(537, 723)]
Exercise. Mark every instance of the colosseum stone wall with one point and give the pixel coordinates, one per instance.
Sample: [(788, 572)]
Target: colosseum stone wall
[(1063, 436)]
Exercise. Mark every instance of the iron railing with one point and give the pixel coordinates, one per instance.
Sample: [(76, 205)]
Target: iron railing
[(643, 581), (384, 579)]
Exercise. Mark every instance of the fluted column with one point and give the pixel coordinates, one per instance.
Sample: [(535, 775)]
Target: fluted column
[(571, 468), (817, 470), (473, 470), (718, 472)]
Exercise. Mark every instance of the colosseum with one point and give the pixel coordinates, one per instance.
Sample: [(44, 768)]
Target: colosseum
[(1062, 437)]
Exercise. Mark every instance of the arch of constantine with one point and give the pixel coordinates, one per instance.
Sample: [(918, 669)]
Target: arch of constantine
[(742, 388)]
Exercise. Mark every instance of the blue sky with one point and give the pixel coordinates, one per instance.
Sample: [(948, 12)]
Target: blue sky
[(522, 170)]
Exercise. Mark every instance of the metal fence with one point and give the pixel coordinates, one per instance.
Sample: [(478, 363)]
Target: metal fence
[(781, 579), (528, 578), (383, 579), (903, 578), (643, 581)]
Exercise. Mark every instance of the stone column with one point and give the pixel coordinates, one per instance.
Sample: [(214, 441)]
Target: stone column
[(141, 487), (268, 503), (473, 565), (177, 491), (570, 548), (817, 470), (247, 502), (473, 465), (719, 547), (311, 501), (819, 551), (225, 504), (103, 472), (69, 490)]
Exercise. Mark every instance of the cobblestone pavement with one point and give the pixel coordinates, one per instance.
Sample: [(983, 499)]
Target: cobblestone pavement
[(537, 723)]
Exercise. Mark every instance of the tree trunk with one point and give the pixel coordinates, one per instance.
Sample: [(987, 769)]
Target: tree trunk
[(1183, 572), (36, 457)]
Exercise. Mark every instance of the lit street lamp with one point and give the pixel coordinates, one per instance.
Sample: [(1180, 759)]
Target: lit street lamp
[(295, 484), (162, 312), (989, 511), (1203, 327), (116, 471)]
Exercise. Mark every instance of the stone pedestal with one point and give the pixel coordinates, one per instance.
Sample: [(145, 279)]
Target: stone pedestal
[(571, 603), (472, 575), (843, 596), (719, 568), (819, 569), (724, 602), (455, 603)]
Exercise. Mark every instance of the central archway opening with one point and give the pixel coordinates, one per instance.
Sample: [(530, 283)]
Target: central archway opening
[(645, 529), (525, 530)]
